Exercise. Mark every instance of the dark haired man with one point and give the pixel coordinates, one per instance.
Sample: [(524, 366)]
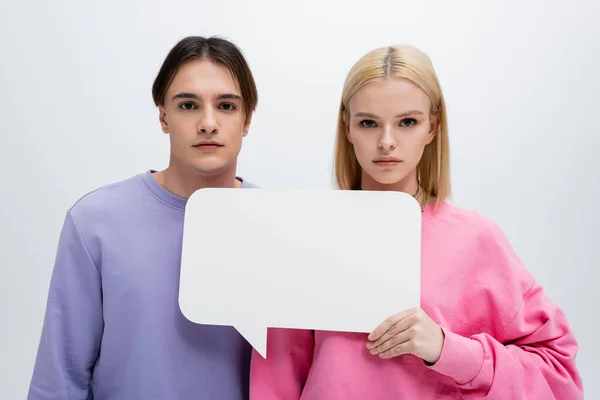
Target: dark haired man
[(113, 328)]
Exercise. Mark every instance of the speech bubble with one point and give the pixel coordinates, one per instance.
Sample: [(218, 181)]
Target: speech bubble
[(303, 259)]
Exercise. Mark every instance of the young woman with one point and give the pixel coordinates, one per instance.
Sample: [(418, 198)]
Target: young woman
[(485, 328)]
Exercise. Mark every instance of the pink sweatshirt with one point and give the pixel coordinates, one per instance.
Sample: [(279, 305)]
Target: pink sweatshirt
[(504, 340)]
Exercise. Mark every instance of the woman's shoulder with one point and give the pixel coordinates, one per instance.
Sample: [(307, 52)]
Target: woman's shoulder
[(459, 218), (480, 236)]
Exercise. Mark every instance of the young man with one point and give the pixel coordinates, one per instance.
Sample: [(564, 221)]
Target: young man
[(113, 328)]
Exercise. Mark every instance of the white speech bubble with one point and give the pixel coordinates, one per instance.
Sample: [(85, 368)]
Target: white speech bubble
[(306, 259)]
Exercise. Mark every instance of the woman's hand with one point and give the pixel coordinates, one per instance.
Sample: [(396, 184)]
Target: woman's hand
[(408, 332)]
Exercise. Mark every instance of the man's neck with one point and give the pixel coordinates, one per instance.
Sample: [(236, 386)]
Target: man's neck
[(183, 182)]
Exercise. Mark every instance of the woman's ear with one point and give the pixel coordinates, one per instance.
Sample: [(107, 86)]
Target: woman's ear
[(433, 129), (345, 119), (347, 130)]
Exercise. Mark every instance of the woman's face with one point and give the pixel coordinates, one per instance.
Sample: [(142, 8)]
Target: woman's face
[(389, 126)]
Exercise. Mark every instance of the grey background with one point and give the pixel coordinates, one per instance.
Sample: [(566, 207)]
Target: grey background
[(520, 79)]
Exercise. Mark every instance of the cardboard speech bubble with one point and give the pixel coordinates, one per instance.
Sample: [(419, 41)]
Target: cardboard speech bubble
[(305, 259)]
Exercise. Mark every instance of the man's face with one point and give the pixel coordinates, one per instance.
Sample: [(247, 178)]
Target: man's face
[(204, 117)]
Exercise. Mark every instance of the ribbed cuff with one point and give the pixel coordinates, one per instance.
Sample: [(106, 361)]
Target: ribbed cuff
[(461, 359)]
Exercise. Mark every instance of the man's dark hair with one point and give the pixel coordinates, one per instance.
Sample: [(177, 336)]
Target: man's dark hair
[(213, 49)]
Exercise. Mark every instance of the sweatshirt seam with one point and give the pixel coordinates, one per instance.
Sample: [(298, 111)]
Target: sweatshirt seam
[(83, 241), (510, 321), (157, 197), (514, 316)]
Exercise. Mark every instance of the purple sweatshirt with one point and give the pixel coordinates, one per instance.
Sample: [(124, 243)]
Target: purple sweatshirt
[(113, 329)]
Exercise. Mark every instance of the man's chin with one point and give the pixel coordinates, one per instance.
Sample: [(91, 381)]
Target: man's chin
[(210, 168)]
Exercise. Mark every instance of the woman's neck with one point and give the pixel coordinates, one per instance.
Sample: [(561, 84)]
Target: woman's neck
[(408, 185)]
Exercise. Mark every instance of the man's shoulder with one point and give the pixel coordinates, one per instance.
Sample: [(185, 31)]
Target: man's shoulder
[(248, 185), (108, 198)]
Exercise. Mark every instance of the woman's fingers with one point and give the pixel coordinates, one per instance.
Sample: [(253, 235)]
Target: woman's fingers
[(403, 336), (388, 324)]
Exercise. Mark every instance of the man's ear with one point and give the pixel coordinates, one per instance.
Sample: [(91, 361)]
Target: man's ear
[(433, 129), (247, 126), (162, 117)]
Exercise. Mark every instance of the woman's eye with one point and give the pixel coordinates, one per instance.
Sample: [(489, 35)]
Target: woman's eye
[(408, 122), (228, 106), (187, 106), (368, 123)]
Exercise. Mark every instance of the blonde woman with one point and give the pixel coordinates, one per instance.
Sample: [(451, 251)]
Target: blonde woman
[(485, 328)]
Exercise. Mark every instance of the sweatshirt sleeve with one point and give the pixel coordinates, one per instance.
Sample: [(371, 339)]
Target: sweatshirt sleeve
[(282, 375), (73, 323), (532, 357)]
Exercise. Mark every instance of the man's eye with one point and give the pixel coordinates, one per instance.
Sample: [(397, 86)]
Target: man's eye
[(187, 106), (228, 106)]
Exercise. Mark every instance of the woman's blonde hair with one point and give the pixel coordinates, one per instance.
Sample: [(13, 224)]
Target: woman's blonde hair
[(399, 62)]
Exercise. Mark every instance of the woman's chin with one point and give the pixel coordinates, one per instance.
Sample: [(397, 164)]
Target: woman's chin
[(389, 178)]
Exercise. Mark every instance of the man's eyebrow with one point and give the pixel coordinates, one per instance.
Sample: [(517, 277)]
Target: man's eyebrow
[(192, 96), (228, 96), (186, 95)]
